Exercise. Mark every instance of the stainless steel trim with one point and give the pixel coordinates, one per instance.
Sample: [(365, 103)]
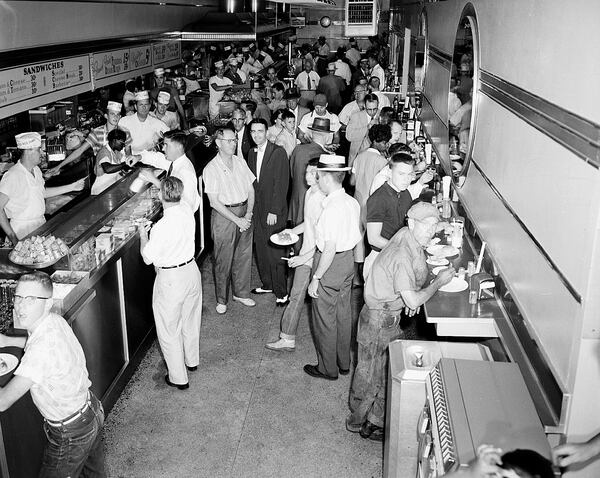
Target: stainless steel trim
[(444, 122), (120, 281), (440, 56), (572, 290), (577, 134)]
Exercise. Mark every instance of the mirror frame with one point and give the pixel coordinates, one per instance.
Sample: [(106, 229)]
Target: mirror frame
[(469, 14), (423, 24)]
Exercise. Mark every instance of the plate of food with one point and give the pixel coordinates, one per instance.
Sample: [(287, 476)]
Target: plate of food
[(284, 238), (437, 261), (442, 251), (8, 363), (455, 285), (38, 252)]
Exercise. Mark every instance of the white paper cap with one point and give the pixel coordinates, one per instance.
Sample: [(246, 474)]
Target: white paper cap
[(159, 71), (28, 140), (114, 106), (142, 95), (163, 97)]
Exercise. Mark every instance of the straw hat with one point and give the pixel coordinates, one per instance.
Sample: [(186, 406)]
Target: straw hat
[(332, 162)]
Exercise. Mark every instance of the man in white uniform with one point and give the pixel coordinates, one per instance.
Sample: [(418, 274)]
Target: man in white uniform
[(377, 70), (53, 370), (177, 294), (170, 118), (176, 163), (217, 86), (145, 130), (22, 191)]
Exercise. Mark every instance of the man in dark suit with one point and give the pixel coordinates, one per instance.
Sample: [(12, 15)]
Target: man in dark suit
[(245, 143), (292, 97), (269, 163)]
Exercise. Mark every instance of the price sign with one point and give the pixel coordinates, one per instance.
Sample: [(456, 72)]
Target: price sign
[(140, 57), (38, 79), (166, 52), (109, 63)]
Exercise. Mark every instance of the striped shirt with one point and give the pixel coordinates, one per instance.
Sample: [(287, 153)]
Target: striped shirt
[(98, 138)]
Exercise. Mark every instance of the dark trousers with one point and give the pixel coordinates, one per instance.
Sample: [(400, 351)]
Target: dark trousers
[(76, 449), (271, 268), (332, 314), (232, 253)]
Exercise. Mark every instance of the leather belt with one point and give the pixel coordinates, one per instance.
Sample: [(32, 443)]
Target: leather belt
[(178, 265), (243, 203), (74, 416)]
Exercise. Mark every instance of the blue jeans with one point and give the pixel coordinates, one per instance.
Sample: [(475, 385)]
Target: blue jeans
[(75, 449)]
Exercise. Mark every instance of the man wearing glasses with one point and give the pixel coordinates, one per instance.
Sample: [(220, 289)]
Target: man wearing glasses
[(228, 182), (357, 131), (53, 369), (358, 104)]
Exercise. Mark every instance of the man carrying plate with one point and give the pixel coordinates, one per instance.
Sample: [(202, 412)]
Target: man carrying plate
[(395, 284)]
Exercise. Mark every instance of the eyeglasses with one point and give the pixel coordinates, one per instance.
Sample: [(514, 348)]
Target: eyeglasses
[(229, 140), (28, 299)]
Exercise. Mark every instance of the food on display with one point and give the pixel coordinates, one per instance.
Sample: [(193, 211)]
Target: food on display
[(38, 250), (284, 237), (67, 277)]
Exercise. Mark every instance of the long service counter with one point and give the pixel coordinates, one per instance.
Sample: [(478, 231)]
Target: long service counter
[(109, 309)]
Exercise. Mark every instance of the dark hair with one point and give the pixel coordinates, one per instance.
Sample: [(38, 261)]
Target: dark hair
[(401, 158), (398, 148), (313, 162), (258, 121), (371, 97), (386, 110), (176, 136), (276, 114), (222, 129), (380, 133), (528, 461), (192, 123), (278, 86), (130, 86), (40, 278), (251, 105), (171, 189), (372, 79), (287, 114), (373, 55), (116, 135)]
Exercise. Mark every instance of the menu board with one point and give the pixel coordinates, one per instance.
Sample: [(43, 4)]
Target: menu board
[(166, 52), (37, 79), (111, 63)]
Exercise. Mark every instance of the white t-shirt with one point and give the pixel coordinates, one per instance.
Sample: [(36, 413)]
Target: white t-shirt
[(215, 96), (339, 222), (144, 134), (25, 193), (307, 120)]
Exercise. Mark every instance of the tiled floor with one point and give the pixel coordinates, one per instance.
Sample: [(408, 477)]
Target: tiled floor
[(249, 412)]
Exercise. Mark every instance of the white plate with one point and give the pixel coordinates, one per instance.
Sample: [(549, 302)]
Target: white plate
[(455, 157), (275, 239), (8, 362), (441, 250), (437, 261), (433, 241), (455, 285), (436, 270)]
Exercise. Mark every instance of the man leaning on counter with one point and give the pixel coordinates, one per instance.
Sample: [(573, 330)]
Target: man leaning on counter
[(22, 191)]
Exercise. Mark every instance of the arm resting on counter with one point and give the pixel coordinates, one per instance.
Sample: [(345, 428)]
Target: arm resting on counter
[(572, 453), (416, 298), (111, 168), (16, 388), (6, 341), (4, 221)]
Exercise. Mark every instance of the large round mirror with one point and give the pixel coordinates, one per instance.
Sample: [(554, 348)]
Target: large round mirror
[(464, 82), (421, 53)]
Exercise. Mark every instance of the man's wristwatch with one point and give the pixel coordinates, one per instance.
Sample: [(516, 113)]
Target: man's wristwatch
[(316, 277)]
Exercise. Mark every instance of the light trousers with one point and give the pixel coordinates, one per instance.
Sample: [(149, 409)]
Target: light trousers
[(293, 311)]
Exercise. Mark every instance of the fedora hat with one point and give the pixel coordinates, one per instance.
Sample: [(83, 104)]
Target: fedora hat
[(332, 162), (321, 124)]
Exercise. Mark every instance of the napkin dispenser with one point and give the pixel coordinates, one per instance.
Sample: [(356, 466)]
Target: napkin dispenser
[(484, 284)]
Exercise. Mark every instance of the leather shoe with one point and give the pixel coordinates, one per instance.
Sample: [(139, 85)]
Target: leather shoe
[(344, 371), (283, 301), (372, 432), (184, 386), (313, 371), (260, 290), (192, 369)]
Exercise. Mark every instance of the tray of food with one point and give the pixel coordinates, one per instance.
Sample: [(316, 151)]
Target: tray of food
[(284, 238), (38, 252)]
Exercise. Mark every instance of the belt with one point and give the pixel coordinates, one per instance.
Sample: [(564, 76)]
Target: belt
[(178, 265), (74, 416), (243, 203), (341, 252)]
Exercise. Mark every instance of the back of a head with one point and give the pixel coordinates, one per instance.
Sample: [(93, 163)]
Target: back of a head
[(40, 278), (380, 133), (176, 136), (171, 189), (528, 464), (401, 158)]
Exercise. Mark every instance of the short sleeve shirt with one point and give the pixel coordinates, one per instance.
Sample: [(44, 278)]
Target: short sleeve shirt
[(313, 206), (308, 119), (25, 192), (339, 222), (389, 207), (400, 266), (98, 138), (230, 185), (144, 134), (55, 363)]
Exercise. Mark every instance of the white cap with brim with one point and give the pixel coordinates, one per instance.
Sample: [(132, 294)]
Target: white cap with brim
[(219, 64), (30, 140), (142, 96), (114, 106), (233, 61), (163, 97), (159, 71), (332, 162)]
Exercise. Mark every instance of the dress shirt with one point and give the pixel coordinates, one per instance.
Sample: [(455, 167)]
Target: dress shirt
[(260, 154), (303, 83), (171, 239), (230, 185), (343, 71), (182, 168), (25, 193), (348, 111), (366, 165), (384, 101), (240, 141), (282, 137), (307, 120), (339, 222), (313, 206), (144, 134), (55, 363)]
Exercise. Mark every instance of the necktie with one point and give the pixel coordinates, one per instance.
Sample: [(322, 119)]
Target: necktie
[(308, 81), (170, 169)]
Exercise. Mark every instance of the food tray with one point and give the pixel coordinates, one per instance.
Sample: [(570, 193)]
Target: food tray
[(35, 265)]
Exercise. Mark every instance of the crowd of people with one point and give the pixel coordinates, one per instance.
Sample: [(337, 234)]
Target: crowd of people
[(331, 168)]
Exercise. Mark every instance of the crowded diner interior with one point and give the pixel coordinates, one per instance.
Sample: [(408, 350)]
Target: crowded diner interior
[(299, 238)]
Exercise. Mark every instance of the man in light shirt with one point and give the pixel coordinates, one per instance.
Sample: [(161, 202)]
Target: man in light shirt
[(342, 69), (336, 234), (374, 86), (53, 370), (170, 118), (177, 295), (218, 84), (145, 130), (357, 104), (307, 82), (320, 112), (376, 69), (357, 130), (353, 53)]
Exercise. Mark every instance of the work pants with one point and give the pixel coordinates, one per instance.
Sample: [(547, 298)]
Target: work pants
[(376, 329), (271, 268), (232, 255), (291, 316), (332, 314), (177, 306)]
